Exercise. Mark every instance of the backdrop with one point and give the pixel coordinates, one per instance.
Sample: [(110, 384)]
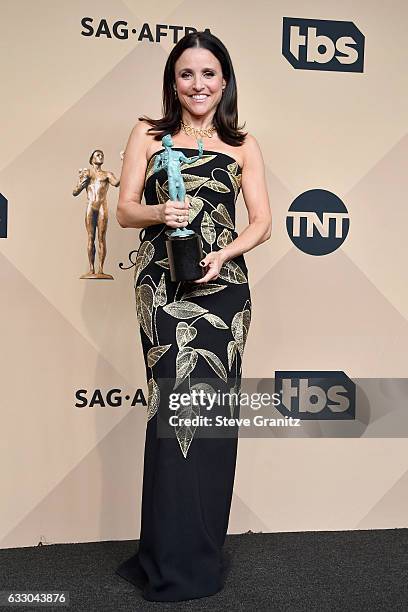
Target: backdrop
[(330, 114)]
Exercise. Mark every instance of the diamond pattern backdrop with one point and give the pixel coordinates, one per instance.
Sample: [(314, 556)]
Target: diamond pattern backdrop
[(66, 470)]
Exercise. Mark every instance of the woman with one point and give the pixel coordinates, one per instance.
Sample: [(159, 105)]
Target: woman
[(191, 330)]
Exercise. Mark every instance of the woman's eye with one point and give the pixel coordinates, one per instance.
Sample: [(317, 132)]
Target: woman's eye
[(187, 74)]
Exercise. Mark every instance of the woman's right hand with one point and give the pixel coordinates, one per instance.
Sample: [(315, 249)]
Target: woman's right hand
[(171, 210)]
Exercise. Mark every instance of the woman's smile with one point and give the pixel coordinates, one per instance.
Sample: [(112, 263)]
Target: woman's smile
[(200, 98)]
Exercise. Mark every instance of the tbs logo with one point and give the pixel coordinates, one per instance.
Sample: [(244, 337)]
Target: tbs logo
[(316, 395), (318, 44), (317, 222)]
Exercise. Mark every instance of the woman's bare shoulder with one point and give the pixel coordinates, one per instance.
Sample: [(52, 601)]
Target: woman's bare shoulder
[(250, 143), (140, 132), (151, 144), (140, 141), (250, 149)]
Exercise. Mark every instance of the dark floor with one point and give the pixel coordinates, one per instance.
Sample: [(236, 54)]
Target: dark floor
[(330, 570)]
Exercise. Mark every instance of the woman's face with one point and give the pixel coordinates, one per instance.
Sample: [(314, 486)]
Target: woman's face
[(199, 81)]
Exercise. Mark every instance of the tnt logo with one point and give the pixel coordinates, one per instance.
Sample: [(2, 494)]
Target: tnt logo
[(316, 395), (317, 222), (318, 44), (3, 216)]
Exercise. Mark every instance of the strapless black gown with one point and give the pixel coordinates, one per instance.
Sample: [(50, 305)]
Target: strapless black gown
[(189, 332)]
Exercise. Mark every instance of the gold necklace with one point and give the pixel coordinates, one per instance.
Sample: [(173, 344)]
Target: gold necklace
[(197, 132)]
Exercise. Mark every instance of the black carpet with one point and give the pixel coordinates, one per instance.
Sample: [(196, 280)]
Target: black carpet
[(325, 570)]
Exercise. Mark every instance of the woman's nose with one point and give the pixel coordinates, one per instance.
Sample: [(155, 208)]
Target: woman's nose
[(197, 85)]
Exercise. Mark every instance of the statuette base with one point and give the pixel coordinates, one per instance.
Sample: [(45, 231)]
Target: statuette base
[(96, 276)]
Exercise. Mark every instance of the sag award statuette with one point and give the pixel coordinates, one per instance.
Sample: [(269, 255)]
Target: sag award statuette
[(184, 247), (96, 183)]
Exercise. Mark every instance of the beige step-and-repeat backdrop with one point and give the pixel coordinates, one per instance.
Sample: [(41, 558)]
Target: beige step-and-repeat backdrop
[(323, 87)]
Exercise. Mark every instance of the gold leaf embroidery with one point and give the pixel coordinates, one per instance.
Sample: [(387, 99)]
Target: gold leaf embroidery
[(144, 308), (150, 168), (153, 399), (236, 183), (203, 398), (233, 168), (191, 181), (185, 433), (202, 386), (231, 351), (163, 263), (207, 290), (154, 354), (208, 228), (215, 321), (215, 362), (224, 238), (196, 206), (235, 177), (184, 333), (239, 327), (184, 309), (217, 186), (185, 363), (234, 392), (144, 256), (246, 321), (160, 296), (231, 272), (222, 216)]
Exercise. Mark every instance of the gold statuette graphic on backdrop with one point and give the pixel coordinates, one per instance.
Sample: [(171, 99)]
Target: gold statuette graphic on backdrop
[(96, 182)]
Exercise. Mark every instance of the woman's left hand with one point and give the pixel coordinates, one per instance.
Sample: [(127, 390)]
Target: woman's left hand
[(213, 262)]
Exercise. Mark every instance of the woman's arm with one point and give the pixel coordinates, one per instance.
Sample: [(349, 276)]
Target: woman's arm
[(257, 203), (259, 213), (130, 211)]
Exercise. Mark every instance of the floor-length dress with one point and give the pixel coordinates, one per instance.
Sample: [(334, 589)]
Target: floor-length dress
[(189, 332)]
